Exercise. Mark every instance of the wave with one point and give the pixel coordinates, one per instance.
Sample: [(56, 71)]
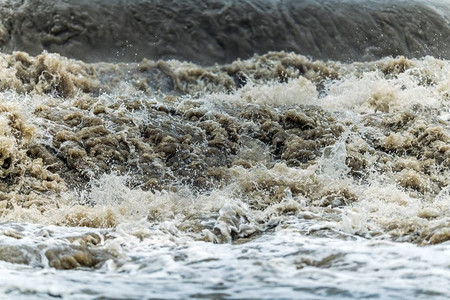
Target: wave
[(213, 31), (273, 136), (179, 146)]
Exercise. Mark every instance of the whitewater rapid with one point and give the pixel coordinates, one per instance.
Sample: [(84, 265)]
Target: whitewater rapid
[(262, 163), (198, 168)]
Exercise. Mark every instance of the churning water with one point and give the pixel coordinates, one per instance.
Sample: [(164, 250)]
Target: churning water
[(273, 176)]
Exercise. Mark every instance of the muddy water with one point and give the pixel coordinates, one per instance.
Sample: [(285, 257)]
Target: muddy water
[(280, 176), (274, 176), (219, 31)]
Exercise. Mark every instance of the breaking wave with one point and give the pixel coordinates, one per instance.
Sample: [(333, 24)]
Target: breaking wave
[(268, 173)]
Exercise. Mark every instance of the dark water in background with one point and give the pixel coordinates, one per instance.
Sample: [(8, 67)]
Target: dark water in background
[(219, 31), (224, 149)]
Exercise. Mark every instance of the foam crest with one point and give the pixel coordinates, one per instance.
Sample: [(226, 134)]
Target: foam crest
[(356, 147)]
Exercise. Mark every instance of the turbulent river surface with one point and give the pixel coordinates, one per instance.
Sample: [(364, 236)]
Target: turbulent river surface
[(224, 149)]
